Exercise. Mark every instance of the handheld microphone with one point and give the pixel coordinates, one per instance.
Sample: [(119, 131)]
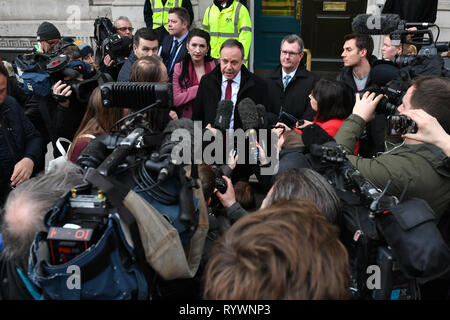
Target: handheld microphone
[(262, 116), (248, 113), (223, 114), (383, 24), (250, 121)]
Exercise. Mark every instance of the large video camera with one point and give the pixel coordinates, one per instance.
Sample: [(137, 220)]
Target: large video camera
[(110, 42), (39, 71), (140, 159), (378, 229), (429, 49)]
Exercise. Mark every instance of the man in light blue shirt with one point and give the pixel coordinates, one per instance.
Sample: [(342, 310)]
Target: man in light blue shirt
[(173, 47)]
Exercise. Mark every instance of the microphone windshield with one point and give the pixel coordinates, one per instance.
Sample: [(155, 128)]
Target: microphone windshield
[(248, 114), (223, 114), (262, 116), (93, 154), (376, 24)]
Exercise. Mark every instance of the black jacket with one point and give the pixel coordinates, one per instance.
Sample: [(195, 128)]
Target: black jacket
[(124, 74), (209, 94), (372, 140), (295, 99), (18, 139)]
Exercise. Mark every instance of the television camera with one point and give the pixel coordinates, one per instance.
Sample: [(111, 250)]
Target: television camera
[(109, 42), (378, 229)]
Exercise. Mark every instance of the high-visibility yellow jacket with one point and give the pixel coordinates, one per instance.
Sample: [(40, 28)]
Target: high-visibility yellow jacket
[(232, 22), (161, 12)]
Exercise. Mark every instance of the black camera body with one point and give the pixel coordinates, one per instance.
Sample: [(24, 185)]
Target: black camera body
[(117, 47), (392, 98), (109, 42)]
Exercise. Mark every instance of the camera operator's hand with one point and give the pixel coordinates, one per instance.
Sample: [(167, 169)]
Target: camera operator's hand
[(62, 89), (429, 130), (107, 60), (365, 106), (22, 171), (228, 198)]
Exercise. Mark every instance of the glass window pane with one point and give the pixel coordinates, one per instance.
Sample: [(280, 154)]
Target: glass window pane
[(278, 7)]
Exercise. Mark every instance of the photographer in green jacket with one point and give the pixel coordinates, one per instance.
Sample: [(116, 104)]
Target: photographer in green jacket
[(417, 167)]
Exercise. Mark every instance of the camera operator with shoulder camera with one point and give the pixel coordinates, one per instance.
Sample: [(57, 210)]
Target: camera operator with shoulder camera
[(415, 168), (114, 43)]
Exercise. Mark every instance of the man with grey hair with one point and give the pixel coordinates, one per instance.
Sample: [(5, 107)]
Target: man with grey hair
[(123, 27), (290, 83), (23, 217)]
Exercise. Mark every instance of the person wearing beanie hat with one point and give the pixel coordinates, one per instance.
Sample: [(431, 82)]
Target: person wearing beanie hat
[(47, 36), (87, 53)]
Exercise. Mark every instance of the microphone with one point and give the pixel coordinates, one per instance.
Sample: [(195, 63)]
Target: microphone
[(250, 121), (93, 154), (383, 24), (223, 115), (262, 116), (376, 24), (248, 113)]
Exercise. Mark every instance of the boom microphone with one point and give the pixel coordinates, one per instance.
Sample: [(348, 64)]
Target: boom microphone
[(223, 114), (383, 24), (376, 24)]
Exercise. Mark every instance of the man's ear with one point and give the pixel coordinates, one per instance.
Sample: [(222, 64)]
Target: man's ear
[(363, 53), (134, 48)]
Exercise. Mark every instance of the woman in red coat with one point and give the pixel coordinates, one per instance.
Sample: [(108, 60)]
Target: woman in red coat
[(327, 100), (189, 71)]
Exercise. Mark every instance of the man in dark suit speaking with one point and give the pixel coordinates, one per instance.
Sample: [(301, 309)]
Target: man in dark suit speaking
[(230, 80)]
